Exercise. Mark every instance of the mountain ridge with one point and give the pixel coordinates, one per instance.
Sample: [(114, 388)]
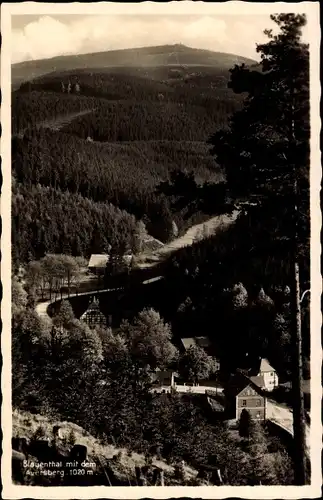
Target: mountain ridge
[(161, 55)]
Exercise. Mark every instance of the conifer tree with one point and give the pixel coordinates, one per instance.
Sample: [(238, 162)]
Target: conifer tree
[(265, 154)]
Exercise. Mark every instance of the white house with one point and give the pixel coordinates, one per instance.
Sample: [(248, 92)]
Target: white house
[(269, 375)]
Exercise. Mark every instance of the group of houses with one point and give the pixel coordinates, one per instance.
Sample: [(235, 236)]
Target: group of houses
[(245, 390), (248, 390)]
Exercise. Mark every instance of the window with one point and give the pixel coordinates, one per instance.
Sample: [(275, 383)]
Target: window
[(244, 402), (258, 402), (272, 374), (258, 414)]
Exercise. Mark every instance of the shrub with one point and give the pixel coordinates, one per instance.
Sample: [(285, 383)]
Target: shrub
[(39, 433), (71, 437)]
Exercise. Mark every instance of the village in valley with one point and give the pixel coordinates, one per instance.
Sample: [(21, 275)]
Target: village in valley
[(160, 299)]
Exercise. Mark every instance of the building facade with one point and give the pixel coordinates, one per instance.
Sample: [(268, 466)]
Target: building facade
[(245, 393), (251, 400), (93, 316)]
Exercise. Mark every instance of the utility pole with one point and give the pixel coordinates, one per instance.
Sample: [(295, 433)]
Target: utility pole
[(297, 361)]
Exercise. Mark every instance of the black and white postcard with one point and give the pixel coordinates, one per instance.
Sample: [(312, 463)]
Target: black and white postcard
[(161, 250)]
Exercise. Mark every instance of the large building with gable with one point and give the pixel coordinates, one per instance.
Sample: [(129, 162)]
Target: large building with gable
[(93, 316)]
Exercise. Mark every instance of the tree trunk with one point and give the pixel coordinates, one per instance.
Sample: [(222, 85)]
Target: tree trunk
[(68, 283), (297, 362), (297, 386)]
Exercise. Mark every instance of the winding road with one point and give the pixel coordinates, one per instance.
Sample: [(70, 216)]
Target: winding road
[(197, 231), (283, 417), (42, 307)]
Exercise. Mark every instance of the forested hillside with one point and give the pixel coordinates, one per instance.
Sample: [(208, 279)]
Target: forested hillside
[(50, 220), (104, 139), (235, 287)]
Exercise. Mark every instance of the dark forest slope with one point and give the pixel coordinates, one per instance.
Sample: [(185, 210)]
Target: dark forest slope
[(108, 129)]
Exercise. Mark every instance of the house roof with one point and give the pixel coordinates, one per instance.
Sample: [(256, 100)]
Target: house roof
[(101, 260), (98, 260), (240, 381), (195, 341), (258, 380), (265, 366), (188, 342), (260, 365)]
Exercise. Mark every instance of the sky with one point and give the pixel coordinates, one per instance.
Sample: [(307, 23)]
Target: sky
[(39, 37)]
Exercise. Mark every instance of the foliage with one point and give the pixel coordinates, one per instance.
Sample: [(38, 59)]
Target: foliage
[(195, 365), (240, 296), (266, 468), (39, 433), (45, 220), (84, 177), (209, 274), (53, 272), (149, 340), (266, 147), (257, 251), (64, 316), (91, 378), (122, 107), (18, 296), (71, 437), (65, 186), (245, 424)]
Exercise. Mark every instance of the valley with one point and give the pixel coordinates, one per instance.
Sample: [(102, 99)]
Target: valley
[(152, 261)]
